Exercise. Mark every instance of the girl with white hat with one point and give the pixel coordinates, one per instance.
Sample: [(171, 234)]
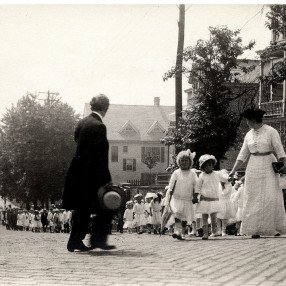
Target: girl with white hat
[(207, 189), (184, 179), (156, 212), (128, 216), (147, 210), (139, 211)]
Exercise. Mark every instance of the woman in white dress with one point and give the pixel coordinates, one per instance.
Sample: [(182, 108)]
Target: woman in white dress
[(263, 209)]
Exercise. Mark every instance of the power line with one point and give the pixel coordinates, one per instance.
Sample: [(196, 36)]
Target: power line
[(259, 12), (188, 8), (123, 36)]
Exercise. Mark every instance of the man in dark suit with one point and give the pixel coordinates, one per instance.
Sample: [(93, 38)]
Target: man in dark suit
[(87, 173)]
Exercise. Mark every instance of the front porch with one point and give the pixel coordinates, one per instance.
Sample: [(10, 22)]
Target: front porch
[(272, 98)]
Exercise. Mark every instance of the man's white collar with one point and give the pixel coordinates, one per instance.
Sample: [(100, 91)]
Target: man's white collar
[(98, 114)]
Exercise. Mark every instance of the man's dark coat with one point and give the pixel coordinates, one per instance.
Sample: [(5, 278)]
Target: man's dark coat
[(89, 168)]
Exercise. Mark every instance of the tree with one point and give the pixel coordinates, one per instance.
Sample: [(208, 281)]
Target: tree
[(38, 140), (150, 161), (209, 125), (276, 18)]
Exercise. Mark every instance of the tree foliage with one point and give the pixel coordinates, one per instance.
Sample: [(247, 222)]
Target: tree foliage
[(150, 161), (276, 18), (276, 21), (209, 125), (36, 147)]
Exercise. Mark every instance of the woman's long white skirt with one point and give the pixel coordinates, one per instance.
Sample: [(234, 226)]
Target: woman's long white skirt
[(263, 205)]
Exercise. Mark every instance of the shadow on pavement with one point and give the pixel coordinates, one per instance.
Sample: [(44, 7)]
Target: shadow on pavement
[(122, 253)]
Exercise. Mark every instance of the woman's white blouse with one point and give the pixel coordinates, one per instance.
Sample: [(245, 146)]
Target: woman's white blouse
[(262, 140)]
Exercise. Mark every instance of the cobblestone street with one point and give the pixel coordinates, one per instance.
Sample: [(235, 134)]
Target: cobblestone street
[(28, 258)]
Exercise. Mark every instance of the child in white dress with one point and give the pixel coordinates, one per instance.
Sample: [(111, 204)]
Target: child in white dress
[(37, 222), (237, 200), (196, 225), (184, 179), (26, 220), (20, 219), (227, 212), (207, 193), (147, 210), (156, 212), (139, 211), (50, 219), (128, 217)]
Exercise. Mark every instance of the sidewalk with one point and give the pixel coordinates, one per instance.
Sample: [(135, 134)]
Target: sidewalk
[(28, 258)]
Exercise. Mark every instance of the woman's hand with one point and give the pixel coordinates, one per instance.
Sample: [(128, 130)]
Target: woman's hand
[(230, 176)]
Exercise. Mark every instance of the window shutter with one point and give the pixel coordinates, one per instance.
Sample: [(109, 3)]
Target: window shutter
[(134, 164), (142, 153), (162, 154), (124, 164)]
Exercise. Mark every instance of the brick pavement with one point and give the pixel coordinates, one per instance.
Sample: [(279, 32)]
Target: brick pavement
[(28, 258)]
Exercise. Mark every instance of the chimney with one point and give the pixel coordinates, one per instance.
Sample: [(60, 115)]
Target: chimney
[(156, 101)]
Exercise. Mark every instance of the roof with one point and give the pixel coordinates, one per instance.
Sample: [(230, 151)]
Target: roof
[(136, 122), (252, 76)]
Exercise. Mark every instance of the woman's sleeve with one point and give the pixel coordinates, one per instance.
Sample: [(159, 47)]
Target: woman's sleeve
[(244, 151), (277, 144)]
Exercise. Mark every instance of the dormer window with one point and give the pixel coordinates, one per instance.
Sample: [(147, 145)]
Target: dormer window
[(128, 128), (156, 128)]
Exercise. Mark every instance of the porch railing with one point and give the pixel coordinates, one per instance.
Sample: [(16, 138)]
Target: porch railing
[(272, 108)]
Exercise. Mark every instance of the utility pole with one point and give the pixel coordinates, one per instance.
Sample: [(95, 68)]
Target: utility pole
[(51, 97), (179, 63)]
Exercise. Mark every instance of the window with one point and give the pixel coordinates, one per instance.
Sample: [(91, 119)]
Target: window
[(125, 149), (129, 165), (114, 153), (157, 152)]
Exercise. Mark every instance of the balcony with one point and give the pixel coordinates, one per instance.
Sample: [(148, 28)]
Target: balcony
[(272, 108)]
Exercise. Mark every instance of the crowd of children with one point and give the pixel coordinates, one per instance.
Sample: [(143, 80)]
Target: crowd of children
[(192, 204), (54, 220)]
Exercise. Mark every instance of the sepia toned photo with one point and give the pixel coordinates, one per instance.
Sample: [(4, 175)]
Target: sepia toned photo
[(143, 143)]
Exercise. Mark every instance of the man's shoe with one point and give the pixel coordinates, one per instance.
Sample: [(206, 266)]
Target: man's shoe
[(255, 236), (72, 246)]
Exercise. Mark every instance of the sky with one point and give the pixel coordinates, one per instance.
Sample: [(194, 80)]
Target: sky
[(123, 51)]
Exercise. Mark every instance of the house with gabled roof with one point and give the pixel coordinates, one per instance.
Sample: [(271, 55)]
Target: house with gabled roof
[(134, 131)]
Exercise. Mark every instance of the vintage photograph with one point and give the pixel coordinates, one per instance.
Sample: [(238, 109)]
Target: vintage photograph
[(143, 143)]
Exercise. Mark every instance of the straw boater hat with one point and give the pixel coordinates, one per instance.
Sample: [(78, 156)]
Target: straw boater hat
[(111, 198), (205, 158)]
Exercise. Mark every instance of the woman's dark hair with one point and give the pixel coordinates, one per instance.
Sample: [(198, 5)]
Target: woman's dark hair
[(254, 113)]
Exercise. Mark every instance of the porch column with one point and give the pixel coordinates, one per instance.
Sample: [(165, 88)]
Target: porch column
[(271, 89), (284, 92), (260, 84)]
